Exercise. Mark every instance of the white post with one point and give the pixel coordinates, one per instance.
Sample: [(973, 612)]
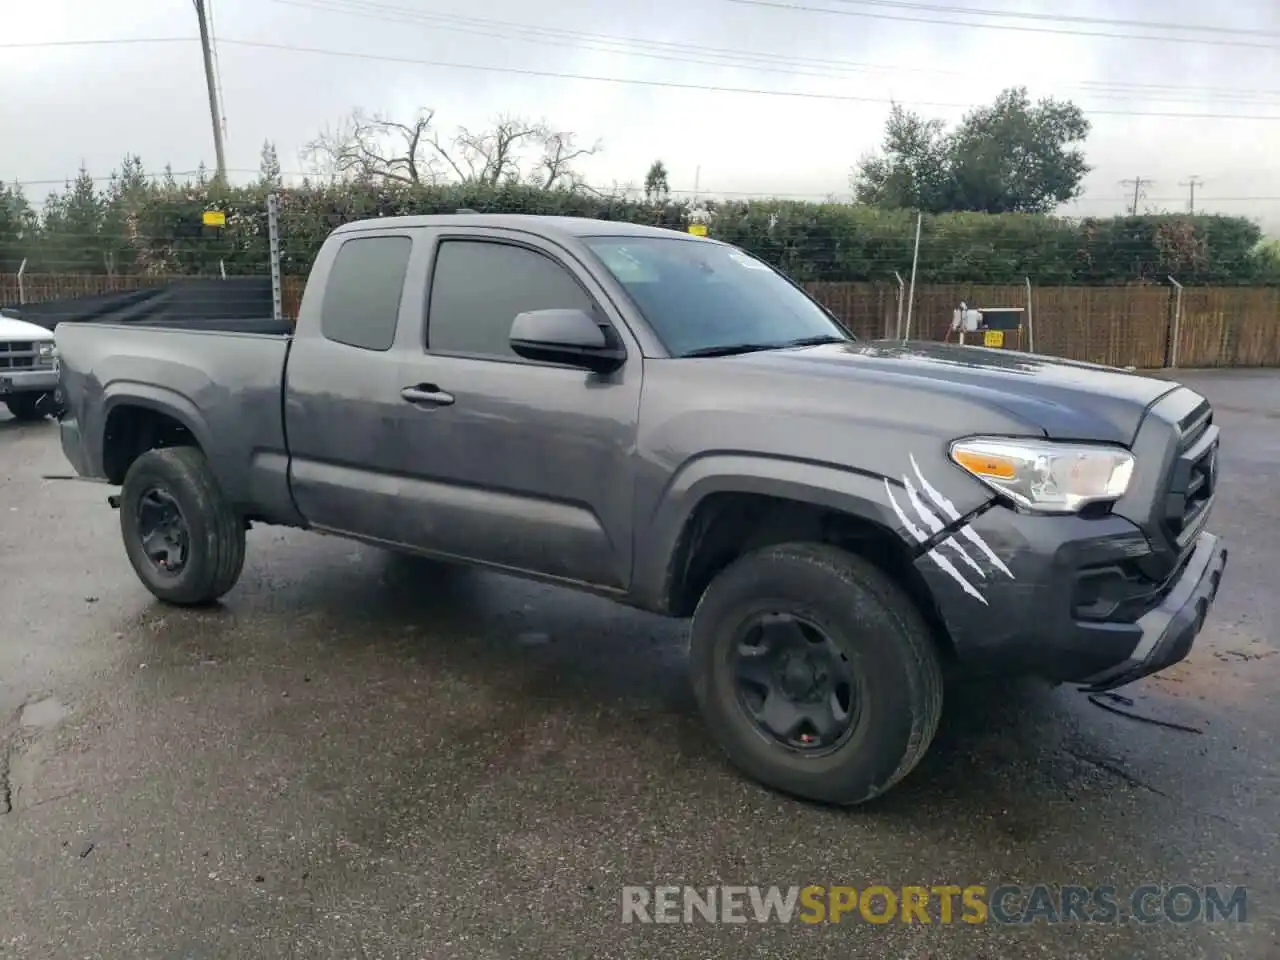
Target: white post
[(902, 301), (222, 268), (22, 289), (273, 231), (915, 260), (1177, 325), (1031, 330)]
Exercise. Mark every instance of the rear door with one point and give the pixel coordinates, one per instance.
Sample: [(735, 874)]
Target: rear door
[(514, 463), (342, 393)]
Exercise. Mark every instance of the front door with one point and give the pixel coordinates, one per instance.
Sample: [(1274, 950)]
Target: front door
[(506, 461)]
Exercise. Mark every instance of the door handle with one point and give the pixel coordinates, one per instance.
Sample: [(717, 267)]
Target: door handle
[(427, 394)]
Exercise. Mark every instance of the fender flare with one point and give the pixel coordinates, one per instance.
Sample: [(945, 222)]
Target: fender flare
[(860, 494), (170, 403)]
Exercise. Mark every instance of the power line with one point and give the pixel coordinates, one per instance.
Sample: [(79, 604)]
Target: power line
[(1057, 31), (712, 88), (758, 194), (1062, 18), (752, 60), (112, 41), (682, 52)]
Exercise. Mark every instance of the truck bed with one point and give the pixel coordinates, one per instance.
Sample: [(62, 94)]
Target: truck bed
[(226, 389)]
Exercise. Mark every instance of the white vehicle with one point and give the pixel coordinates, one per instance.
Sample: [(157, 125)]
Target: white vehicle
[(28, 368)]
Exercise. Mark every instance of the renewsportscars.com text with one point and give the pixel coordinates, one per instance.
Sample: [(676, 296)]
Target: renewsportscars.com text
[(943, 904)]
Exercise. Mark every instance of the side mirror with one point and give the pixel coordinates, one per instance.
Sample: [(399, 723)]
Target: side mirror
[(571, 337)]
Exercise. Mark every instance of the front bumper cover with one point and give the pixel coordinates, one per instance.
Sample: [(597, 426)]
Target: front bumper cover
[(1170, 629), (1021, 609)]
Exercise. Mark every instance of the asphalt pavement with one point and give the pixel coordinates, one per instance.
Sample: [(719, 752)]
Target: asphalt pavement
[(364, 756)]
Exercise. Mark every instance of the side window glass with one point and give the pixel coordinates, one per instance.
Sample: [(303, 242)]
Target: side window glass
[(362, 295), (478, 287)]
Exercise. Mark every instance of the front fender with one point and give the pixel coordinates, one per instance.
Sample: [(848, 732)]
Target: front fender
[(894, 502), (848, 491)]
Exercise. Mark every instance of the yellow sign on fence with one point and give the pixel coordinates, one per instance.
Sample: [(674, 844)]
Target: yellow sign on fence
[(993, 338), (698, 229), (215, 218)]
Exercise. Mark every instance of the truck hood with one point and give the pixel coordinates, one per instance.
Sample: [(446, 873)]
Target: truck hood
[(1066, 399), (11, 329)]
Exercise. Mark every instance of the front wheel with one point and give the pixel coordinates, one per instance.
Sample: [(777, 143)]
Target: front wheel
[(183, 537), (816, 673), (25, 406)]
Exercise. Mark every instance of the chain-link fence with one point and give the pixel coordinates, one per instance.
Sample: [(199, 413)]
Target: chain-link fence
[(1146, 292)]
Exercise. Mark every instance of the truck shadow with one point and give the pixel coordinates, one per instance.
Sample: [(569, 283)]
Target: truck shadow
[(510, 686), (621, 675)]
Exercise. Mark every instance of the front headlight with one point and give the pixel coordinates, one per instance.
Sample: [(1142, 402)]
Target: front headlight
[(1044, 476), (46, 348)]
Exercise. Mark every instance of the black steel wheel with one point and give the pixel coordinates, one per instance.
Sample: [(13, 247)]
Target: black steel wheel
[(183, 536), (163, 531), (815, 672), (795, 683)]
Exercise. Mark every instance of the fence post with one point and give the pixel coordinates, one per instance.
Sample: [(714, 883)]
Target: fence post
[(915, 260), (1177, 325), (1031, 330), (22, 289), (273, 232), (902, 302)]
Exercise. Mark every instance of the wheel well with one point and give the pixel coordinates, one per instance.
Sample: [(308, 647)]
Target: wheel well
[(725, 526), (132, 430)]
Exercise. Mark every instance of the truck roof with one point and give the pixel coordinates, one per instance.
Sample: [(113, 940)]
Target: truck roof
[(546, 226)]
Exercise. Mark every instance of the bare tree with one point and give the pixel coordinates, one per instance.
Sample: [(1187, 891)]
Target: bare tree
[(373, 147), (559, 150)]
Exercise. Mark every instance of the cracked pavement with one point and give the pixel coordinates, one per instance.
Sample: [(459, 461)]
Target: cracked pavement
[(359, 755)]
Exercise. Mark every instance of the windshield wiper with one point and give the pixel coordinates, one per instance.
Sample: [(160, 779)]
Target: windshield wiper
[(729, 349), (815, 341)]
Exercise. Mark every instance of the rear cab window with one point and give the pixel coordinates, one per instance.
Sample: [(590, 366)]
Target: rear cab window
[(362, 293)]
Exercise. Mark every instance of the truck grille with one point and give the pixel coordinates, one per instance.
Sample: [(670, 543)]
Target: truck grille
[(1189, 490), (20, 355)]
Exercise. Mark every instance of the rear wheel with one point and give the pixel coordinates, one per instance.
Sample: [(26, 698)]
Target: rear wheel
[(816, 673), (25, 406), (184, 539)]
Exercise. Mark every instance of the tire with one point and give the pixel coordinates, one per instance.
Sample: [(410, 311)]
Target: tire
[(25, 406), (871, 625), (214, 554)]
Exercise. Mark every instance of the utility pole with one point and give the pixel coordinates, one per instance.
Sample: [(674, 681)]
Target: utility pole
[(1137, 183), (1192, 184), (216, 114)]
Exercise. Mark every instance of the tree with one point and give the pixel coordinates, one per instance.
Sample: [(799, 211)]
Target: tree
[(18, 228), (73, 222), (656, 187), (1013, 156), (914, 169), (374, 148), (269, 166), (127, 194)]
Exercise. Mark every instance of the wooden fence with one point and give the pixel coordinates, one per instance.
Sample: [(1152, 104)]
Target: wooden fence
[(1120, 326)]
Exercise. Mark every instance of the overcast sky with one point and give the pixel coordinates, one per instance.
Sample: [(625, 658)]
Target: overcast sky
[(67, 105)]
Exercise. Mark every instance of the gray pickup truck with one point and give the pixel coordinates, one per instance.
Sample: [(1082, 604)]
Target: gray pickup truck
[(667, 421)]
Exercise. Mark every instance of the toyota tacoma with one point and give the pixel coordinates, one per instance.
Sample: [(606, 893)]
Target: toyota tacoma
[(666, 420)]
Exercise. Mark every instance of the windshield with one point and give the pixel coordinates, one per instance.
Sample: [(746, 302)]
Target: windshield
[(704, 298)]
